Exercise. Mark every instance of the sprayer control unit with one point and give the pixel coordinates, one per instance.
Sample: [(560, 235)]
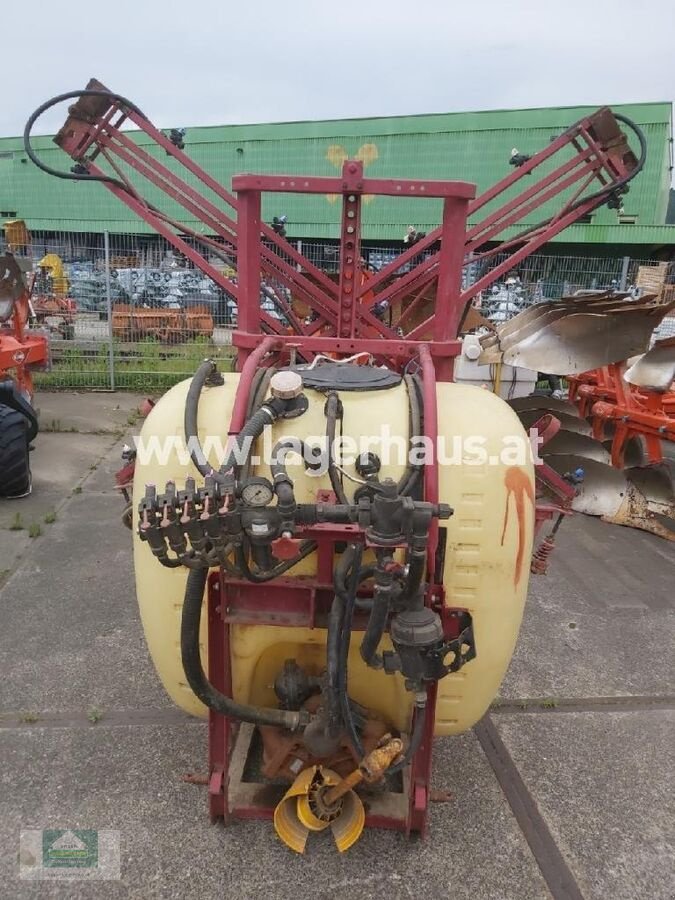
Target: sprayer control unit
[(231, 518)]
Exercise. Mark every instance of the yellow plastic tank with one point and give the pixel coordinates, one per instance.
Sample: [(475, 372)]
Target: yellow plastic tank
[(486, 569)]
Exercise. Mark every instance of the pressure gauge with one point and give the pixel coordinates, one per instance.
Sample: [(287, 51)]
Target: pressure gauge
[(257, 492)]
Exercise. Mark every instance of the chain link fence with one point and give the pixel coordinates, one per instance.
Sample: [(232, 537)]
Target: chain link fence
[(130, 312)]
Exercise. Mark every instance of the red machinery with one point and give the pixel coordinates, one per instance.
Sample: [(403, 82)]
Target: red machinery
[(589, 164), (626, 412), (20, 351)]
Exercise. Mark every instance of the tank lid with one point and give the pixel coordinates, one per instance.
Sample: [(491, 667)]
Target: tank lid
[(286, 384), (346, 377)]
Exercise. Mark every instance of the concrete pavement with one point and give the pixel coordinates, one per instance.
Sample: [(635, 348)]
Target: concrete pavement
[(562, 791)]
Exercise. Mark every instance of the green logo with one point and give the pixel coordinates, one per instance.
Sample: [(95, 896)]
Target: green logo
[(69, 849)]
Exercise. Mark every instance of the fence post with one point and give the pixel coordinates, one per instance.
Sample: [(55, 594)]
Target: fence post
[(624, 273), (108, 296)]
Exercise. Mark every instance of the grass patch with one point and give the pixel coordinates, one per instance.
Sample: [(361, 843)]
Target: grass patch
[(146, 366), (548, 703), (34, 530), (78, 489), (50, 518), (17, 523), (95, 715), (29, 717)]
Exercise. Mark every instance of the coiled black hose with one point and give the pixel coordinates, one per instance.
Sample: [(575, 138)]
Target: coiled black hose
[(71, 95), (202, 687)]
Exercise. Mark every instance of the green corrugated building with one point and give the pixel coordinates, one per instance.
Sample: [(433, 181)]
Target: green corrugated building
[(473, 146)]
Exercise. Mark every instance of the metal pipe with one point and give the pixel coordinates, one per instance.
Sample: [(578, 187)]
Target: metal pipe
[(108, 301), (431, 432), (252, 362)]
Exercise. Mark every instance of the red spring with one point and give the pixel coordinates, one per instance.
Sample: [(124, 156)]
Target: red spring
[(539, 564)]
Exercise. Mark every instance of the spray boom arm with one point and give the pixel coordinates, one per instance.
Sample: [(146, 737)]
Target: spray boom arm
[(589, 164)]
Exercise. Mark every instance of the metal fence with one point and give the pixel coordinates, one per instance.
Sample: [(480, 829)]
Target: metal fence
[(129, 312)]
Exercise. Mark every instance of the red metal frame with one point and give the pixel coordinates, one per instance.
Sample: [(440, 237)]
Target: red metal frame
[(603, 396), (20, 350), (342, 322)]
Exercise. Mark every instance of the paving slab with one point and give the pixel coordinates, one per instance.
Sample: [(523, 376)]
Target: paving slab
[(59, 463), (604, 785), (87, 411), (128, 779), (600, 622), (71, 635), (102, 479)]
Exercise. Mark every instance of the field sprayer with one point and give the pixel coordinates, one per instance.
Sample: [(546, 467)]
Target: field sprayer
[(312, 604)]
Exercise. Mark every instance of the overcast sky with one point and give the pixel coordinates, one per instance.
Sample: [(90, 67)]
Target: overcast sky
[(202, 62)]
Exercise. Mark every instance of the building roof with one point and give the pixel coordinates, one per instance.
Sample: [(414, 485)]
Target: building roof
[(471, 146)]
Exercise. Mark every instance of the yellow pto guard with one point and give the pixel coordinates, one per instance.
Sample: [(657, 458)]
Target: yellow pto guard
[(319, 797)]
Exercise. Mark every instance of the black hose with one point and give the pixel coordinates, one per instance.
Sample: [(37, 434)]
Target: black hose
[(199, 379), (415, 741), (343, 658), (332, 412), (240, 446), (337, 624), (377, 622), (202, 687), (259, 388), (283, 484), (610, 188), (71, 95), (306, 548)]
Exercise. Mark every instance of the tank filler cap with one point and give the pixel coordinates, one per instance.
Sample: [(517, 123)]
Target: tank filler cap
[(286, 385)]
